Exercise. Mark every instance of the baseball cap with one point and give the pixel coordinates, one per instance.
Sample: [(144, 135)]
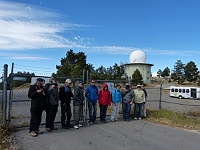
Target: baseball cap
[(68, 81)]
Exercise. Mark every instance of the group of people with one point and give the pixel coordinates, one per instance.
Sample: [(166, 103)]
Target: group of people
[(46, 98)]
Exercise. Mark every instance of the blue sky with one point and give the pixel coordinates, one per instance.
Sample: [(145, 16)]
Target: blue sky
[(35, 35)]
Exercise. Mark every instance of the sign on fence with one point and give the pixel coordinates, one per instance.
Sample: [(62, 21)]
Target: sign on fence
[(19, 78)]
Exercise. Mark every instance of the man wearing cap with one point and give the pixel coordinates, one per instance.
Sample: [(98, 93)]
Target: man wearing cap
[(65, 95), (128, 96), (51, 89), (139, 99), (38, 101), (78, 104), (92, 95)]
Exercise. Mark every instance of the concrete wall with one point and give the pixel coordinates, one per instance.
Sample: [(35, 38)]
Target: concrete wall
[(145, 70)]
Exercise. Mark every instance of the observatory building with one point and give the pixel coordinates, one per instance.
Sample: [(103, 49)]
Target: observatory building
[(138, 61)]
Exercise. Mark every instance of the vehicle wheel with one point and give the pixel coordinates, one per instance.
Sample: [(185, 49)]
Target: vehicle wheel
[(180, 97)]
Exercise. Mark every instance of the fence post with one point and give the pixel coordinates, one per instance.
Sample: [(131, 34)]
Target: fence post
[(5, 80), (10, 95), (160, 107)]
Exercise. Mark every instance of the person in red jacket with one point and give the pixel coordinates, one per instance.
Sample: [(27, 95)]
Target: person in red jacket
[(104, 101)]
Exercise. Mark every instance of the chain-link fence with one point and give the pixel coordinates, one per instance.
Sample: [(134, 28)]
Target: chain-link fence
[(18, 104)]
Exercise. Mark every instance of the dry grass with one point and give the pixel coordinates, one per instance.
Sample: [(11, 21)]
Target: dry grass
[(170, 118)]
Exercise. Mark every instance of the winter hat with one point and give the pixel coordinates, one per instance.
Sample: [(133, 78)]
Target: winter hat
[(127, 87), (80, 82), (40, 80)]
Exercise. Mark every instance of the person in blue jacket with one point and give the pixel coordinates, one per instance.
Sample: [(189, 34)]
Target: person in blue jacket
[(116, 100), (92, 96)]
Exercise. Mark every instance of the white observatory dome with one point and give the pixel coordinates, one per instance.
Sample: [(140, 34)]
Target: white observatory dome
[(137, 56)]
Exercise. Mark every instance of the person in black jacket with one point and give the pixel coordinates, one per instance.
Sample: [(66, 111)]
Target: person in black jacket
[(38, 103), (52, 103), (78, 104), (65, 95)]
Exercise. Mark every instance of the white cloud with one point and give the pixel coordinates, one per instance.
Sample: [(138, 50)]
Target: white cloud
[(14, 56), (26, 27)]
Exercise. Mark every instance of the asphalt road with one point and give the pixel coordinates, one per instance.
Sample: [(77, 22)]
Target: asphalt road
[(120, 135)]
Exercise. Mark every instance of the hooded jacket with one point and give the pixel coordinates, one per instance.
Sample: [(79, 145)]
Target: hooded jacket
[(104, 96), (92, 93), (116, 96)]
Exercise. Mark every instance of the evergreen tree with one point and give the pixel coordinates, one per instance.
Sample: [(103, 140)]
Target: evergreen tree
[(178, 72), (166, 72), (72, 65), (191, 72), (137, 77), (159, 73)]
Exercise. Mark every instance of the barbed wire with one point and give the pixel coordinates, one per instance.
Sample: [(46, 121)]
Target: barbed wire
[(32, 67)]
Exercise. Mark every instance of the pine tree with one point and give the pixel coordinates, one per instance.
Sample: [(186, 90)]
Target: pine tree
[(191, 72), (137, 77)]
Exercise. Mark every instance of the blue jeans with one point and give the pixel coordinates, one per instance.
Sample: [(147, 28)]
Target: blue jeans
[(126, 110), (138, 110), (115, 111), (92, 106), (103, 110)]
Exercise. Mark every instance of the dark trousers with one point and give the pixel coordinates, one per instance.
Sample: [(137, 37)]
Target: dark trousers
[(103, 110), (36, 117), (77, 114), (65, 109), (138, 110), (50, 115), (126, 110), (92, 106)]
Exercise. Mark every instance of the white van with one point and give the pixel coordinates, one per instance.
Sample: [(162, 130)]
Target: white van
[(185, 92)]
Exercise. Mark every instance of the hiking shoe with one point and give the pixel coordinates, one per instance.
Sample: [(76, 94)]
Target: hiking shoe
[(53, 128), (33, 134), (139, 118), (113, 120), (104, 121), (80, 125), (128, 120), (76, 127), (49, 129), (91, 123), (135, 118), (39, 132), (124, 119)]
